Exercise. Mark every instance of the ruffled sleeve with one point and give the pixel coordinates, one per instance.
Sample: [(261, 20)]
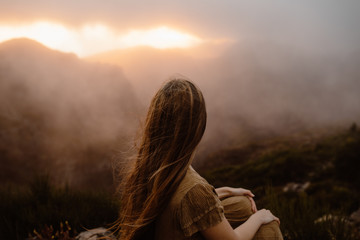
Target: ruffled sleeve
[(199, 209)]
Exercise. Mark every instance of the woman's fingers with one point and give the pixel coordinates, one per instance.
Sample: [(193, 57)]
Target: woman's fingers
[(253, 204), (266, 216), (248, 193), (277, 220)]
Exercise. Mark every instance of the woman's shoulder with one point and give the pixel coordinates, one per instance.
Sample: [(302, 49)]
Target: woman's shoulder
[(193, 207), (200, 207), (194, 177), (191, 180), (195, 194)]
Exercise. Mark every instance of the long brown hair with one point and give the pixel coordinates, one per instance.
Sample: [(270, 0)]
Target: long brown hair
[(174, 126)]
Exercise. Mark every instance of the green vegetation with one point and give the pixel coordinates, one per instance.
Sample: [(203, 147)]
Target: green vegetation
[(42, 205), (63, 233), (303, 218), (320, 211)]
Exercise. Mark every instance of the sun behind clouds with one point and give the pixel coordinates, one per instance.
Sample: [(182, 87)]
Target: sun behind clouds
[(161, 37), (95, 38)]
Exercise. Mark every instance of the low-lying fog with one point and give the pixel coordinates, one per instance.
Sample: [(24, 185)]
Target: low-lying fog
[(67, 116)]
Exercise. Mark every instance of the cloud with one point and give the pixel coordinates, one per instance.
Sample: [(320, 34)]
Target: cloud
[(95, 38), (314, 27)]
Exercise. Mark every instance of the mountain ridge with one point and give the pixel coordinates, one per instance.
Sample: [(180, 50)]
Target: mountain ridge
[(66, 114)]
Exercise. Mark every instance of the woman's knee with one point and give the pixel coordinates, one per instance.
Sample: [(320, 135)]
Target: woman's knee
[(269, 231), (237, 209)]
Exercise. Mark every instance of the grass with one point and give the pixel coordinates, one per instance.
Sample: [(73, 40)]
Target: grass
[(42, 205), (303, 218), (331, 164)]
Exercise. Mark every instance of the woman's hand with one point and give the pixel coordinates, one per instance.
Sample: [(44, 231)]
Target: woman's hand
[(265, 216), (229, 191), (241, 192), (248, 194), (245, 231)]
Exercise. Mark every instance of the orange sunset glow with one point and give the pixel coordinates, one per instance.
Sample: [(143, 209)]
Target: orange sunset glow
[(134, 120), (94, 38)]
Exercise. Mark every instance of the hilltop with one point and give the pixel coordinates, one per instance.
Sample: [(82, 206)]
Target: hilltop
[(302, 181), (61, 115)]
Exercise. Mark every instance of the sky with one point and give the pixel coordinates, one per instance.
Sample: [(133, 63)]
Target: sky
[(281, 64), (87, 27)]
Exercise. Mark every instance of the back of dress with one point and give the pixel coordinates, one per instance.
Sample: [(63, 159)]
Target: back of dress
[(193, 207)]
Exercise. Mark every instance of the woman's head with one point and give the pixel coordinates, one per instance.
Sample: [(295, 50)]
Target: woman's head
[(174, 126), (176, 119)]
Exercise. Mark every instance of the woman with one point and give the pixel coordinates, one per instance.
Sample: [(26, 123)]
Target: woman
[(162, 196)]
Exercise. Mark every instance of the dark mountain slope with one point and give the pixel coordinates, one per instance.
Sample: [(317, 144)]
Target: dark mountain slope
[(60, 115)]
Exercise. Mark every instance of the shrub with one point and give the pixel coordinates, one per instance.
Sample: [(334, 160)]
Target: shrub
[(303, 218), (64, 233), (347, 161), (41, 204)]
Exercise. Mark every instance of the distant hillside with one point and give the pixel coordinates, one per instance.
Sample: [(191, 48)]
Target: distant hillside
[(60, 115), (312, 184), (329, 163), (253, 90)]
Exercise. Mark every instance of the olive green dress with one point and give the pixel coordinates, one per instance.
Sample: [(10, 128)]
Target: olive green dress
[(195, 206)]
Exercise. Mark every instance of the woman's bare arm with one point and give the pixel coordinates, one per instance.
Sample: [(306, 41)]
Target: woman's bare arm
[(245, 231), (223, 192), (229, 191)]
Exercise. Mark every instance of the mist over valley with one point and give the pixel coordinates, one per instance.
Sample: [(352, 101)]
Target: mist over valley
[(253, 89), (281, 82), (61, 116), (69, 117)]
